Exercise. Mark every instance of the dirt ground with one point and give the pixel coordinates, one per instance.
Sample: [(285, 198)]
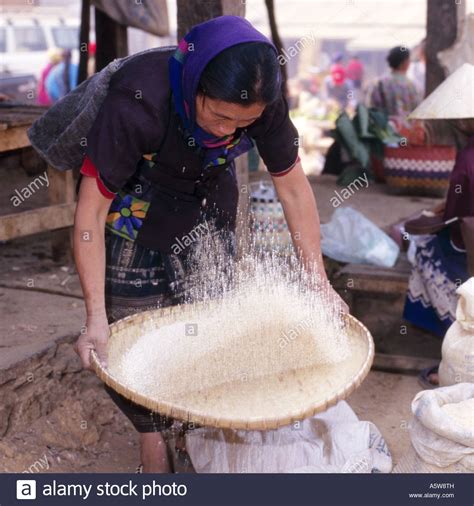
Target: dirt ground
[(87, 433), (91, 435), (84, 435), (63, 421)]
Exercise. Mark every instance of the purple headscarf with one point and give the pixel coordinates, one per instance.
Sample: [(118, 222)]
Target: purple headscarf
[(195, 51)]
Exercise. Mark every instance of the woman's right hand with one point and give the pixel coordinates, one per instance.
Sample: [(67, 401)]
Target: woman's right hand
[(94, 337)]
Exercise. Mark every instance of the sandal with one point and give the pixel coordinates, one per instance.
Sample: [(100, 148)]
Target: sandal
[(428, 223), (424, 377)]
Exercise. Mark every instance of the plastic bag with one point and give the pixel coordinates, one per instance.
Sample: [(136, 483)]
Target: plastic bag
[(351, 237), (331, 442), (436, 436), (457, 364)]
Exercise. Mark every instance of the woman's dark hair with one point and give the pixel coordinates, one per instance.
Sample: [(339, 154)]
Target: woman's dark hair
[(243, 74), (397, 55)]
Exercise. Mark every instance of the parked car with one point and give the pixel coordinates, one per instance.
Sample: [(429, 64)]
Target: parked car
[(25, 40)]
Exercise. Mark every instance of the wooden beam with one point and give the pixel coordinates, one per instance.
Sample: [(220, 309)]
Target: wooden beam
[(35, 221), (402, 364), (373, 279), (61, 190), (198, 11), (14, 138)]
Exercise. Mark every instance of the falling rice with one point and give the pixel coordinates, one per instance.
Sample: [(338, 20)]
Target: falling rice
[(256, 318)]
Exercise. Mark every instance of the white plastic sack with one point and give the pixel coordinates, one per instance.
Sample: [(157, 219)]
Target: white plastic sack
[(437, 439), (457, 364), (351, 237), (412, 463), (465, 307), (331, 442)]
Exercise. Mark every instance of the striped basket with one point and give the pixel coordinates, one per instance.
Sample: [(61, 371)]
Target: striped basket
[(419, 169), (268, 223)]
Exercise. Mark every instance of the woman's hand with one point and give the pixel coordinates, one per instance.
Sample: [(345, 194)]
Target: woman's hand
[(95, 337), (328, 291), (338, 301)]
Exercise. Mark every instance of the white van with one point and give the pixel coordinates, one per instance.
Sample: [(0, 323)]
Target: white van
[(25, 40)]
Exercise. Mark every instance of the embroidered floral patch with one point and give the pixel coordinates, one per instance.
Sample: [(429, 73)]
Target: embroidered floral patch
[(126, 216)]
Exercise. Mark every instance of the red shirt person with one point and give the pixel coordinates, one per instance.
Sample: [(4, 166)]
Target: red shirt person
[(355, 71)]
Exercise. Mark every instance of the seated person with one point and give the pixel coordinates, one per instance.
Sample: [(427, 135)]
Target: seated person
[(441, 260)]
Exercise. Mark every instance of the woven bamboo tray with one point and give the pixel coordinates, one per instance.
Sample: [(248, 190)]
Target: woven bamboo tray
[(254, 404)]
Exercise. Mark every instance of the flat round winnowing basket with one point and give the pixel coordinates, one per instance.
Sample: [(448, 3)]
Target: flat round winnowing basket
[(259, 403)]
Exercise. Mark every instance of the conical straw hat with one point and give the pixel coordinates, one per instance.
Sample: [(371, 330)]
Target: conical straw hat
[(253, 402), (452, 99)]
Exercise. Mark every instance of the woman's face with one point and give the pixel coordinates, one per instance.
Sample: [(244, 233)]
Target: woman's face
[(221, 118)]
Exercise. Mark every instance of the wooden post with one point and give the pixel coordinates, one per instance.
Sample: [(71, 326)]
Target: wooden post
[(277, 41), (84, 41), (441, 33), (193, 13), (61, 190), (111, 38), (198, 11)]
